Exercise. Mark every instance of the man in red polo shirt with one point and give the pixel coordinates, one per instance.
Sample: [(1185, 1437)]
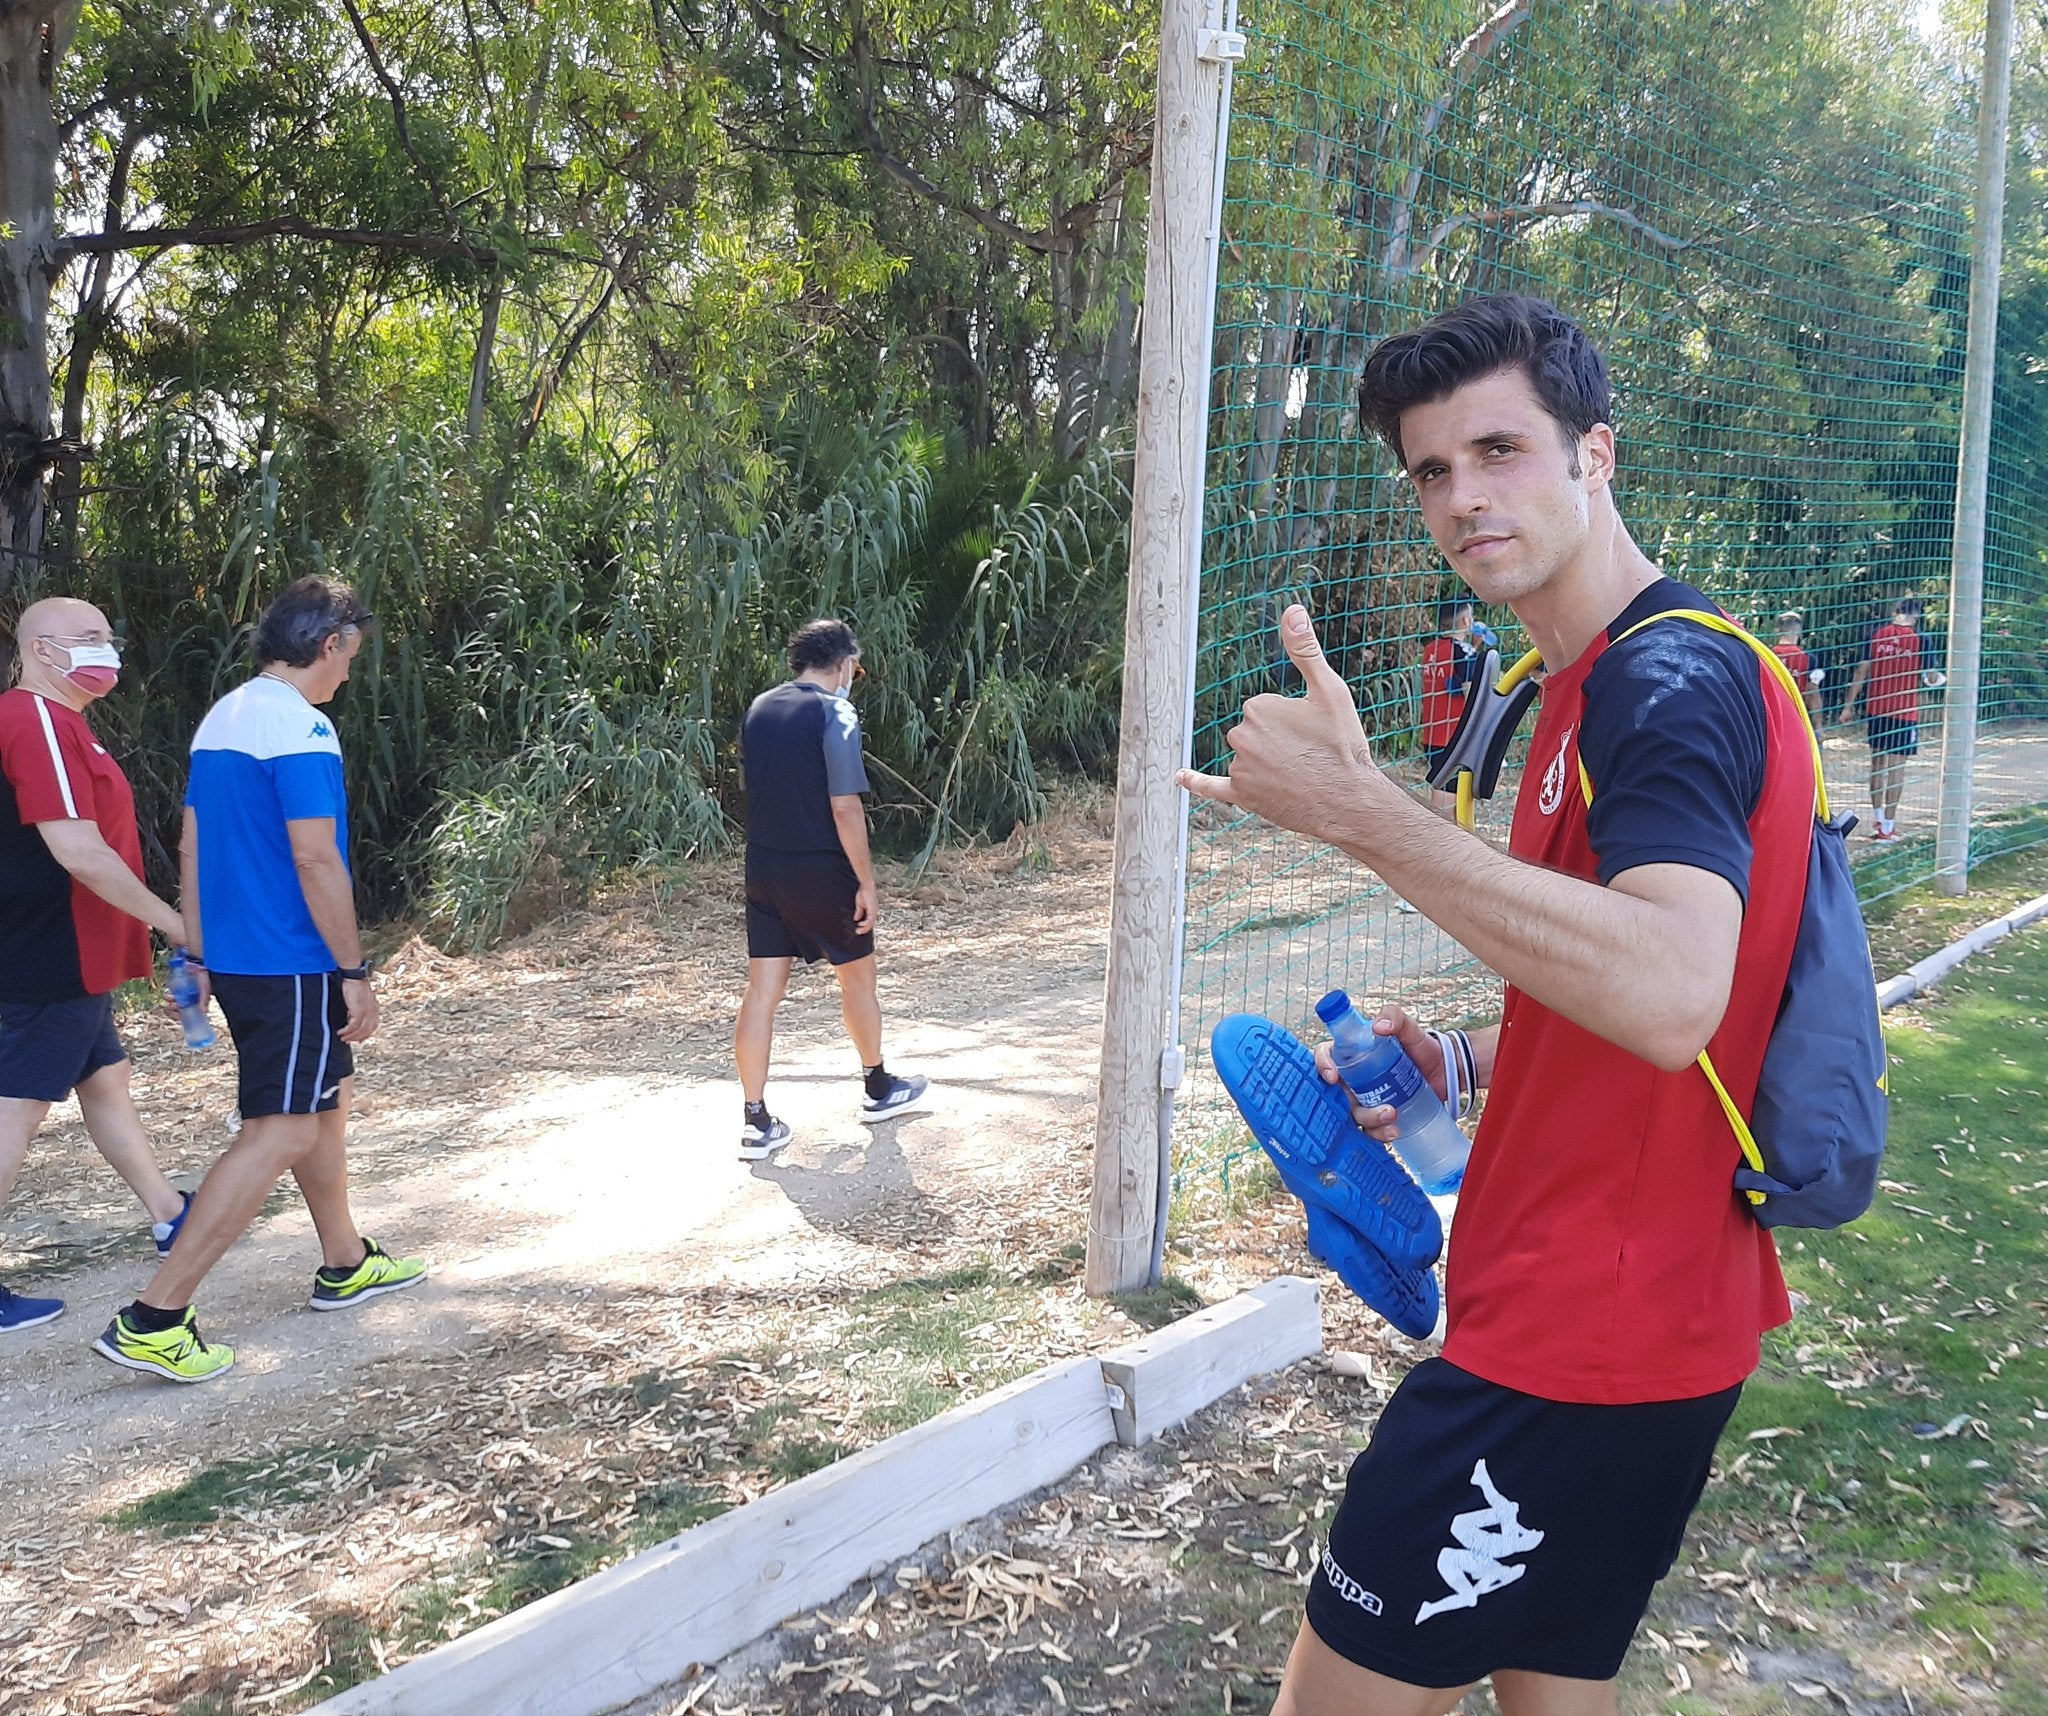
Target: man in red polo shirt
[(1888, 680), (1606, 1289), (75, 916)]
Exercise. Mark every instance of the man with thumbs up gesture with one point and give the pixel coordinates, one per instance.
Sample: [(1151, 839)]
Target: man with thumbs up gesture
[(1605, 1291)]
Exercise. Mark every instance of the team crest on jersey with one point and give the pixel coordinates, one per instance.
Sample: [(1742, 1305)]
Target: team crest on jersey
[(1552, 794), (1475, 1567)]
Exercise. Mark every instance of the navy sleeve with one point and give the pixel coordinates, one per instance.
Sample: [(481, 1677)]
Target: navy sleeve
[(844, 772), (1673, 739)]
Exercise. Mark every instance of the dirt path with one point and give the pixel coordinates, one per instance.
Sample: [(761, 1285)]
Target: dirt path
[(554, 1127)]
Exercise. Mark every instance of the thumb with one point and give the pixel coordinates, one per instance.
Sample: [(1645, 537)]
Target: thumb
[(1298, 632)]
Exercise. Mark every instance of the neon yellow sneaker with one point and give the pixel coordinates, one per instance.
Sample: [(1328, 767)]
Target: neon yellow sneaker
[(379, 1272), (177, 1354)]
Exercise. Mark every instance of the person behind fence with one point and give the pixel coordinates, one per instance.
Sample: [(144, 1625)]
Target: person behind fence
[(1789, 650), (1523, 1492), (270, 907), (811, 890), (75, 917), (1888, 680), (1450, 660)]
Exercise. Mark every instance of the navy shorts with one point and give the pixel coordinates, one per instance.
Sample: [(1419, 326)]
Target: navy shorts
[(1485, 1529), (288, 1050), (800, 906), (1893, 736), (49, 1048)]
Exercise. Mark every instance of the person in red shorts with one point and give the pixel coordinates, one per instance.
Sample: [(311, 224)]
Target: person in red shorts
[(1449, 662), (75, 917), (1789, 650), (1607, 1290), (1888, 680)]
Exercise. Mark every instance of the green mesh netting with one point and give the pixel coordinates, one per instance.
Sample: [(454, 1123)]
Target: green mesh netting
[(1760, 208)]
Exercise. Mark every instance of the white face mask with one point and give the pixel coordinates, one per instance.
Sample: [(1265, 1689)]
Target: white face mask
[(95, 655)]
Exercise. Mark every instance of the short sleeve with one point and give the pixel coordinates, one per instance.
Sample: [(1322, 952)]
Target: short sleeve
[(308, 785), (51, 782), (1673, 739), (845, 774)]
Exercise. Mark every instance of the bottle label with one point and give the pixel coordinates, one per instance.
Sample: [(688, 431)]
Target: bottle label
[(1395, 1087)]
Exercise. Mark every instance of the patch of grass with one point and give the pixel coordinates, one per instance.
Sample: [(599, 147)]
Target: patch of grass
[(1910, 925), (243, 1486), (1155, 1307), (1896, 1436)]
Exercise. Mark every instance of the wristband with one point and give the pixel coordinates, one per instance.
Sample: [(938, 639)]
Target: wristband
[(354, 973), (1461, 1071)]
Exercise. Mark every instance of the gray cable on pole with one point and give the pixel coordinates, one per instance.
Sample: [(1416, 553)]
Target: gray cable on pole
[(1973, 459)]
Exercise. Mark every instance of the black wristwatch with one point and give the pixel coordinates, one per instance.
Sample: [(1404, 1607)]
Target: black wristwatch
[(354, 973)]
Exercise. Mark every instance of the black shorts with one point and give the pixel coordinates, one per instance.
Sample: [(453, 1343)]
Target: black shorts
[(288, 1047), (1485, 1529), (1893, 736), (49, 1048), (800, 906)]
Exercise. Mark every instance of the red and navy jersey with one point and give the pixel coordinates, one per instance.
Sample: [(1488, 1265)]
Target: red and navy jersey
[(1600, 1252), (1893, 689), (58, 939), (1448, 665)]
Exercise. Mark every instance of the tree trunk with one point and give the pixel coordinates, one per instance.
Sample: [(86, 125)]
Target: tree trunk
[(480, 365), (33, 37)]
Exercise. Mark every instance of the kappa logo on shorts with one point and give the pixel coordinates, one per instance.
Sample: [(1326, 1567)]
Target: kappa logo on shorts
[(1485, 1535), (1347, 1587)]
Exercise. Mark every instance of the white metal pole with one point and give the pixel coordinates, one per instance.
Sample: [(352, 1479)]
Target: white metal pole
[(1973, 460), (1139, 1003)]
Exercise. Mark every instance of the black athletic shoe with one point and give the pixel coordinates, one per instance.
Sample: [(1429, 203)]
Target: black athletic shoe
[(902, 1092), (757, 1143)]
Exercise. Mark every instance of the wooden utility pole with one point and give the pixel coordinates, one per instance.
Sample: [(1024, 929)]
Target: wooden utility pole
[(1973, 461), (1141, 1053)]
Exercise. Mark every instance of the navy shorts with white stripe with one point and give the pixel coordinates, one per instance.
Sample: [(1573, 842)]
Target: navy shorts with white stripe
[(288, 1045)]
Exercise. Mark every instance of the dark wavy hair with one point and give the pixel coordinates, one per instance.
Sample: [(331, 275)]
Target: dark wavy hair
[(302, 617), (1478, 338), (821, 643)]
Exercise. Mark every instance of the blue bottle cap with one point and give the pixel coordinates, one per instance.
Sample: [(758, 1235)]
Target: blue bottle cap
[(1333, 1006)]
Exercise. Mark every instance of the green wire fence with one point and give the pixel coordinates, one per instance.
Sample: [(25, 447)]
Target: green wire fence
[(1761, 210)]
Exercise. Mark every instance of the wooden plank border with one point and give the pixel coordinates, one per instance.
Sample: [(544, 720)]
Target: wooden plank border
[(639, 1626)]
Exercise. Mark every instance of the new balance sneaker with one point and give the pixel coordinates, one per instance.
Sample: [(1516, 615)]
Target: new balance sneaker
[(176, 1354), (19, 1312), (757, 1143), (165, 1233), (379, 1272), (902, 1092)]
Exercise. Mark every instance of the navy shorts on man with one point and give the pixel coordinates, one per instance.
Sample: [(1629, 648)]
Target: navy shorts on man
[(288, 1048), (49, 1048), (1484, 1529), (1893, 736), (800, 905)]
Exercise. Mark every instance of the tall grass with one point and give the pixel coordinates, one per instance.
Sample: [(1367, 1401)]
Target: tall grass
[(554, 694)]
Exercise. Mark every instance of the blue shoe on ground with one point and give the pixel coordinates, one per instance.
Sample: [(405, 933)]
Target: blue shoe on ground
[(165, 1233), (17, 1312), (1407, 1298), (1305, 1125)]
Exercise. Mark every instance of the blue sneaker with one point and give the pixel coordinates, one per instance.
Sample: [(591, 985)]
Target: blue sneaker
[(17, 1312), (1305, 1125), (165, 1233)]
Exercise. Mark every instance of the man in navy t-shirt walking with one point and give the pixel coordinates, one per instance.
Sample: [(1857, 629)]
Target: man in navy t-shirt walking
[(810, 880), (270, 908)]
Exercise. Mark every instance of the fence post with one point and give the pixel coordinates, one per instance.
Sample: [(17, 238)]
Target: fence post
[(1140, 1050), (1973, 460)]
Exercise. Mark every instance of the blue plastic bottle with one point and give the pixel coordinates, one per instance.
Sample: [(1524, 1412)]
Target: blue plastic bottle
[(1381, 1075), (184, 988)]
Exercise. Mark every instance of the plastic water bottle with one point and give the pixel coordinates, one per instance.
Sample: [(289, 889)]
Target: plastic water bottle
[(192, 1019), (1381, 1075)]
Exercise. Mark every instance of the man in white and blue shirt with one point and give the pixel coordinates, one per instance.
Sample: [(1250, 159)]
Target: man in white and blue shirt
[(269, 906)]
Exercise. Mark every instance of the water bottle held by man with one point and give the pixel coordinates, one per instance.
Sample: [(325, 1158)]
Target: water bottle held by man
[(184, 989), (1381, 1075)]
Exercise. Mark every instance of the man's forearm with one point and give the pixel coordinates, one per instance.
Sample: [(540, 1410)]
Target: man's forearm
[(330, 898), (104, 872), (188, 897), (853, 840), (1604, 959)]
